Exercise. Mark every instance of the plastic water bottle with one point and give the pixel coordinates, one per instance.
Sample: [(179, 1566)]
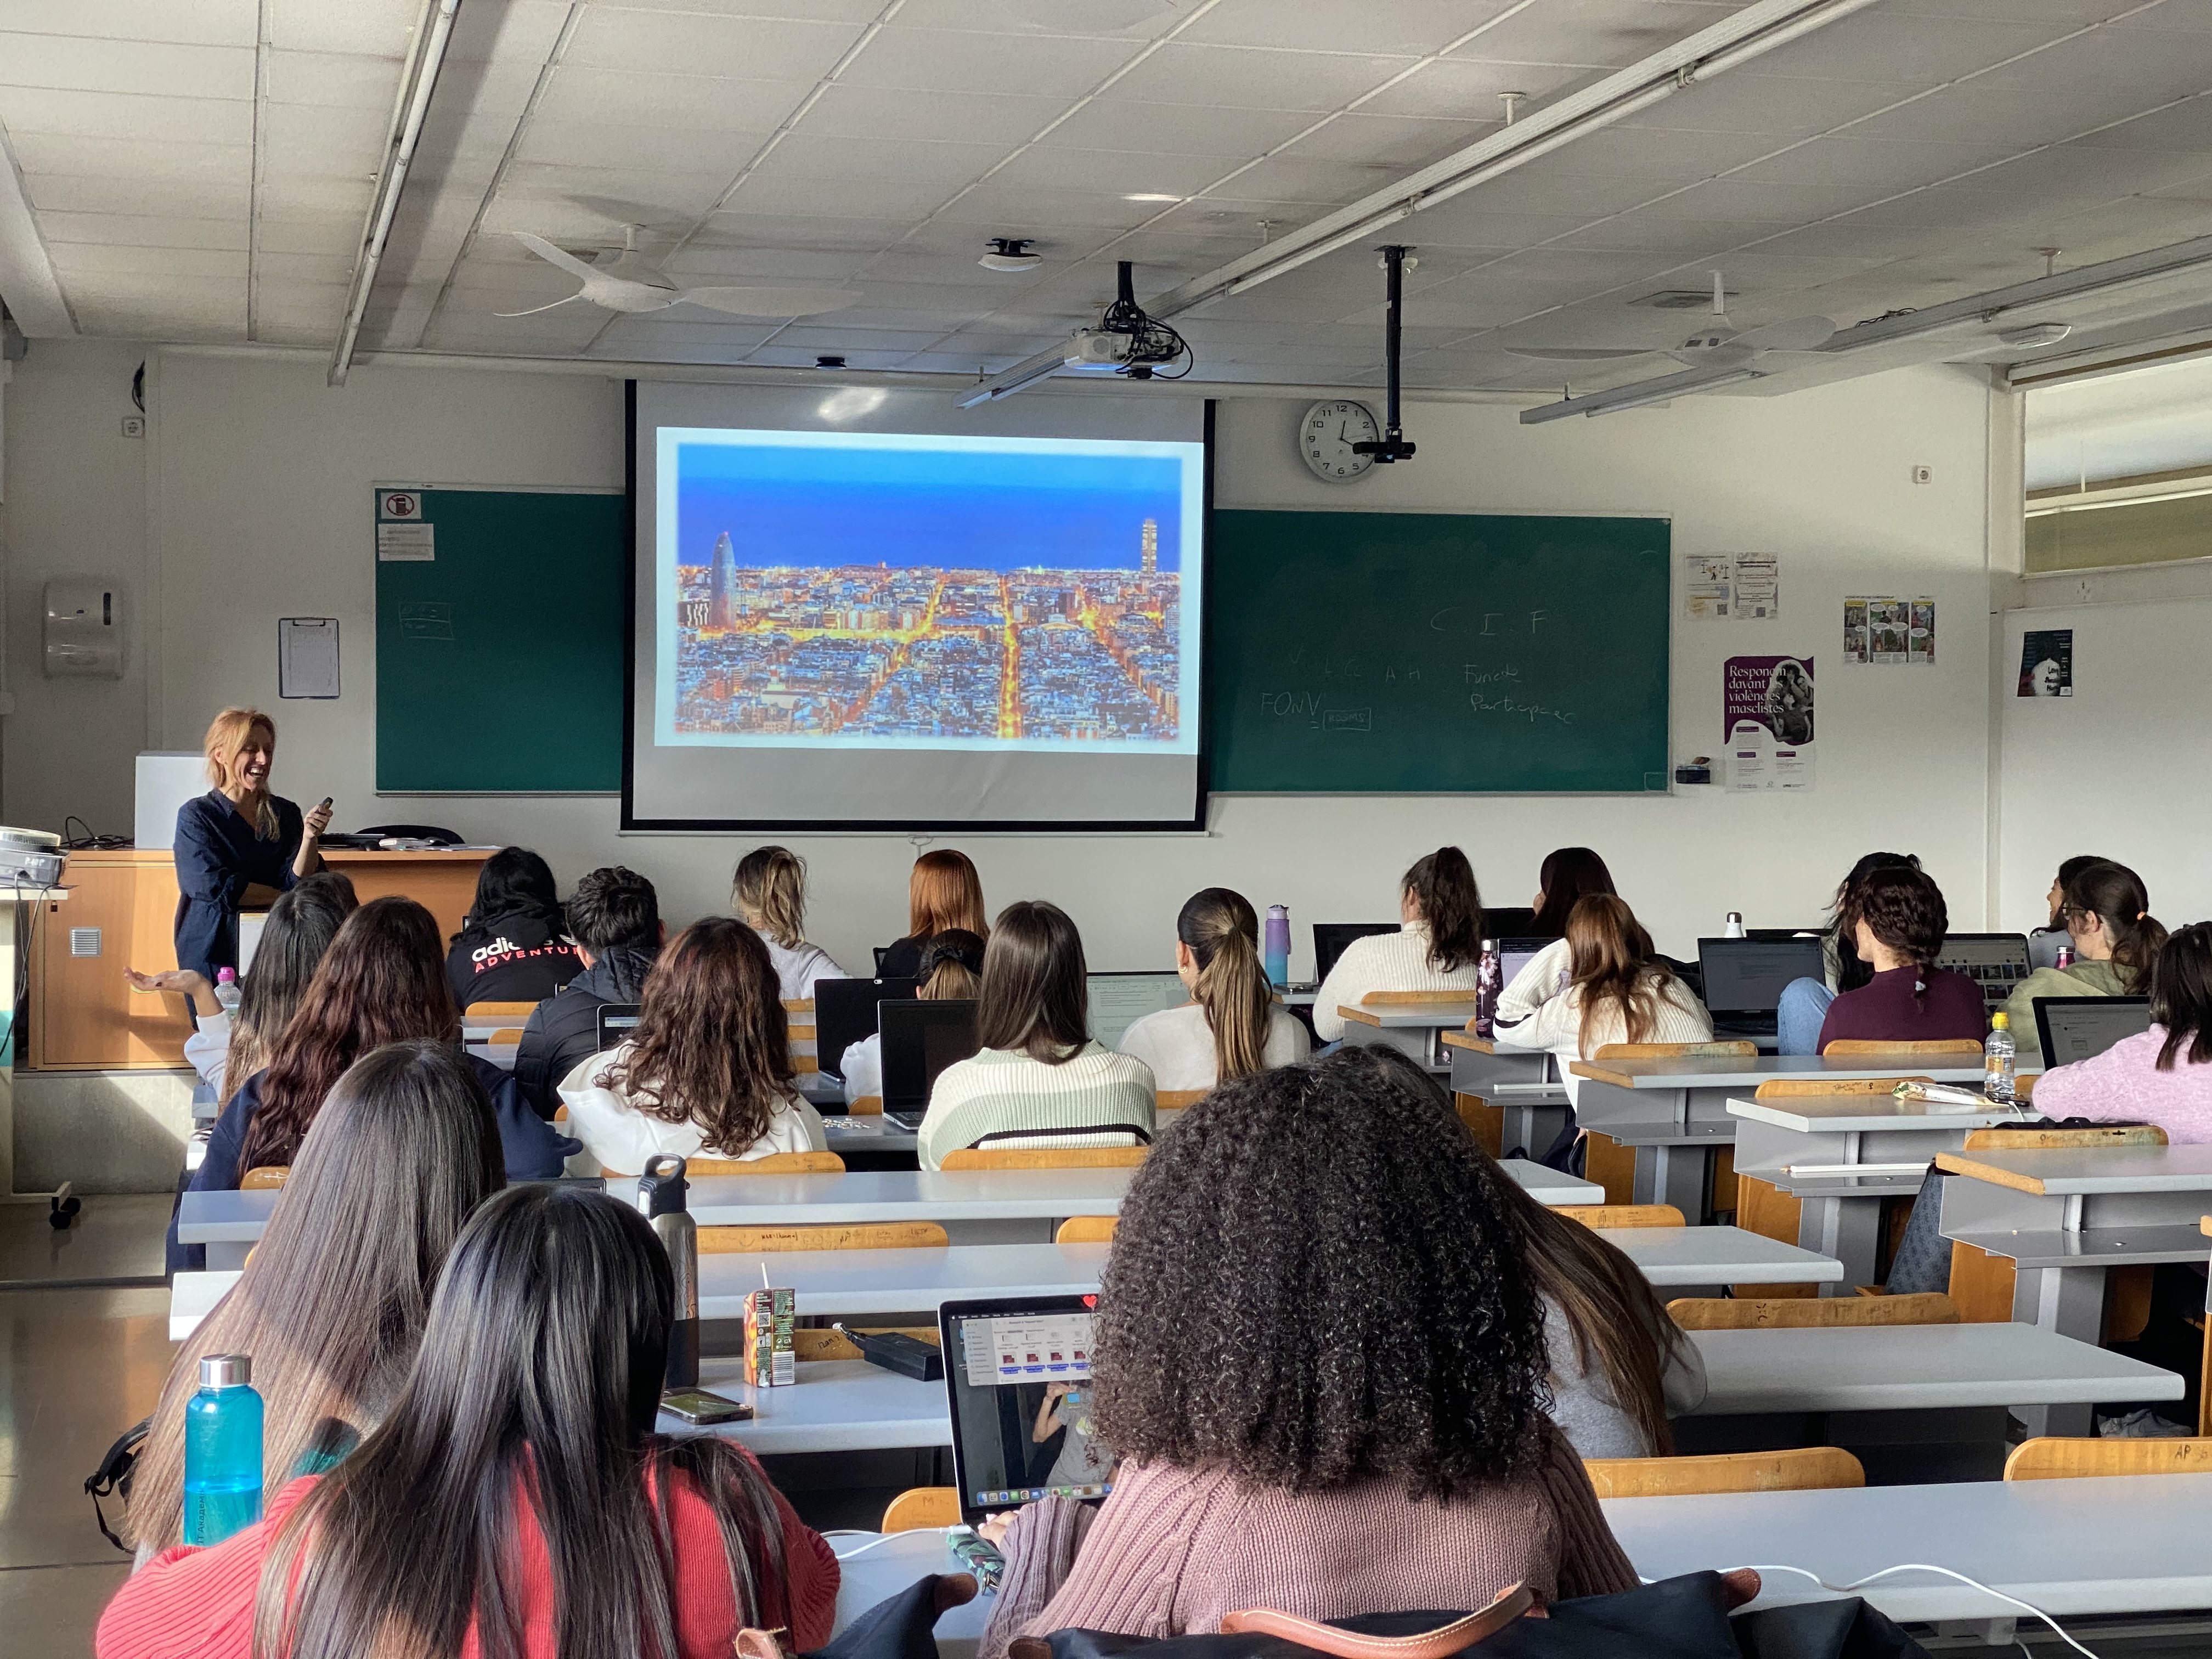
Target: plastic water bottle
[(1275, 944), (1997, 1053), (227, 993), (1733, 928), (222, 1450), (1489, 982)]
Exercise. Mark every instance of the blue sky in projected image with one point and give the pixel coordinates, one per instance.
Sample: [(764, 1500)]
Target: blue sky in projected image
[(958, 509)]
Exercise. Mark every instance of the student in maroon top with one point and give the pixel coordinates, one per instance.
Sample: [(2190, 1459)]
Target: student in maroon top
[(1898, 921)]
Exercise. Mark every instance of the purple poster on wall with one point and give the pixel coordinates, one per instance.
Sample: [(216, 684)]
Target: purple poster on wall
[(1766, 708)]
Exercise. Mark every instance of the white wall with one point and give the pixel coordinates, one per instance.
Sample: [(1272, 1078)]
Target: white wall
[(261, 508), (2121, 768)]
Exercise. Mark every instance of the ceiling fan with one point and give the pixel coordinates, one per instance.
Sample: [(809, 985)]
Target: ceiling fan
[(1718, 344), (627, 280)]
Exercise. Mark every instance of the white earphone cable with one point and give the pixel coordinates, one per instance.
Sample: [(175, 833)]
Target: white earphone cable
[(1922, 1567)]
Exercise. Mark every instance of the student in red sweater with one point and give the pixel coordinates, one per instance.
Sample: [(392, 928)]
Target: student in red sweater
[(1898, 920), (514, 1503), (1320, 1356)]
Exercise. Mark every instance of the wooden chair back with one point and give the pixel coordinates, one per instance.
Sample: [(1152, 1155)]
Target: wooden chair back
[(1174, 1100), (1806, 1088), (1442, 999), (1621, 1215), (919, 1508), (2051, 1458), (2006, 1139), (482, 1013), (1718, 1313), (773, 1164), (867, 1106), (1872, 1046), (262, 1177), (813, 1343), (844, 1235), (1677, 1051), (506, 1034), (1086, 1230), (799, 1004), (1806, 1468), (1045, 1158)]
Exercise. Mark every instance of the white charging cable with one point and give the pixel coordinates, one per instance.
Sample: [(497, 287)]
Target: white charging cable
[(876, 1543), (1922, 1567)]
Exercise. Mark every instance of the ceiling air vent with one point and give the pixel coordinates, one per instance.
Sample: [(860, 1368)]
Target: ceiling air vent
[(1680, 299)]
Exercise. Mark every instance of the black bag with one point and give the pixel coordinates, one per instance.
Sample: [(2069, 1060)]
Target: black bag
[(902, 1627), (113, 1478)]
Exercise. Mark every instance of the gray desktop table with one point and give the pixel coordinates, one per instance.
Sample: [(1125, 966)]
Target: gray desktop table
[(1524, 1085), (1416, 1029), (1675, 1112), (1841, 1155)]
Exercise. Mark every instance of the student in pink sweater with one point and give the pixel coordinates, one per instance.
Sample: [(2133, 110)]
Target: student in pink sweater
[(1320, 1356), (2165, 1075)]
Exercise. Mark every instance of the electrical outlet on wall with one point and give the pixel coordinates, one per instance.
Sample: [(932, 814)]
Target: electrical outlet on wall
[(134, 426), (1923, 475)]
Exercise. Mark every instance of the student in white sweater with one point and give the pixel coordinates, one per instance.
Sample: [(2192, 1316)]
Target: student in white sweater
[(1038, 1079), (708, 1070), (951, 971), (1601, 983), (1232, 1026), (1439, 948), (768, 893)]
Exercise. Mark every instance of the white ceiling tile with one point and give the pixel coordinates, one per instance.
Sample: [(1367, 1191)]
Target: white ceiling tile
[(1413, 26), (651, 197), (902, 113), (742, 228), (1113, 174), (1869, 165), (1608, 33), (2181, 127), (222, 198), (804, 11), (1877, 45), (133, 158), (307, 269), (1784, 106), (93, 65), (379, 28), (102, 260), (956, 61), (1971, 113), (626, 98), (746, 47), (332, 235), (334, 80), (1661, 230), (191, 22), (121, 115), (684, 326), (314, 195), (2079, 170), (1184, 72), (1178, 129), (921, 166), (523, 30), (1332, 182), (1403, 141), (143, 230), (647, 149), (701, 265), (828, 336), (338, 141)]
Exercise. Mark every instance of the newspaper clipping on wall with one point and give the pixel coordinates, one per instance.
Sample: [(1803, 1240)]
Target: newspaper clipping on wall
[(1887, 631)]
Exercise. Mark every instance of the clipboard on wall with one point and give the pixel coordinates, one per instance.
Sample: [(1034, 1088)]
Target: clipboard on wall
[(307, 657)]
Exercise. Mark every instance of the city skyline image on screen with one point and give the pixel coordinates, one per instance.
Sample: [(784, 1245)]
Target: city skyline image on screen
[(870, 590)]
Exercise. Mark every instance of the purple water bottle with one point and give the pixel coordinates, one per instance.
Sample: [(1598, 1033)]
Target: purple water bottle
[(1275, 944), (1489, 982)]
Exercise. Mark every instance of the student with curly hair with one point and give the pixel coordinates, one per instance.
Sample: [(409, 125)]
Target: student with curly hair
[(1804, 1002), (1324, 1376), (1898, 920), (708, 1068)]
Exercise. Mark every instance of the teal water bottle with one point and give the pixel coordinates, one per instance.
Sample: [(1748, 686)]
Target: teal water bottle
[(222, 1450)]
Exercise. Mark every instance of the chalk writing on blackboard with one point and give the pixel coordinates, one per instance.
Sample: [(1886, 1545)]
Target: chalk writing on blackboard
[(1347, 720)]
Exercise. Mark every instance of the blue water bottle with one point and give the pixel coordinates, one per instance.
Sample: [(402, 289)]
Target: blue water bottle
[(222, 1450), (1275, 944)]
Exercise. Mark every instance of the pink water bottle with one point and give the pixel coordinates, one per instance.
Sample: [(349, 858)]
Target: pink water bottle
[(1489, 983), (1275, 944)]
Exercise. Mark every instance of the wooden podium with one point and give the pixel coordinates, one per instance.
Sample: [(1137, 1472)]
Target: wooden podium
[(121, 913)]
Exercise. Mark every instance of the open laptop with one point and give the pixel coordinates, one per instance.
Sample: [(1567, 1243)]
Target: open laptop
[(1744, 978), (1515, 954), (616, 1021), (1008, 1362), (2081, 1028), (1118, 1000), (845, 1013), (1997, 962), (921, 1039), (1502, 924), (1330, 938)]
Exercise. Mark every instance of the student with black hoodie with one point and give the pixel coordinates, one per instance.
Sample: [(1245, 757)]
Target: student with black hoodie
[(510, 947), (614, 921)]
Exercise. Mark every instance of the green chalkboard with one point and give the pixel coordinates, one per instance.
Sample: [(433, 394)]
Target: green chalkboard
[(1418, 652), (499, 657)]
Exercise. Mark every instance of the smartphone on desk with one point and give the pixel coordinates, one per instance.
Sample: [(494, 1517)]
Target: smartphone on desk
[(697, 1405)]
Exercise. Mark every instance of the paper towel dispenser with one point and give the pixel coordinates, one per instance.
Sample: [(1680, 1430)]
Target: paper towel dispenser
[(84, 626)]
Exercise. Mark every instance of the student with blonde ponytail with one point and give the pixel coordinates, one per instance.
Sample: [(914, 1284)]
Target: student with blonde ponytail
[(768, 893), (1439, 948), (1232, 1026)]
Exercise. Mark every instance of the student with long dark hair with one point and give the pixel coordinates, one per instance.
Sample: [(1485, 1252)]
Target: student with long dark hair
[(768, 893), (1569, 875), (1232, 1026), (1320, 1358), (299, 928), (2106, 911), (2163, 1075), (2043, 943), (512, 947), (514, 1503), (1038, 1079), (1438, 946), (952, 970), (381, 981), (1898, 921), (708, 1068), (332, 1301), (1804, 1002), (1604, 982), (943, 891)]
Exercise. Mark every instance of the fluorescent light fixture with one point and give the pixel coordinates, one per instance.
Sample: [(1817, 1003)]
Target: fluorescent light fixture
[(1028, 371), (2046, 507), (1151, 196), (1639, 394), (432, 34)]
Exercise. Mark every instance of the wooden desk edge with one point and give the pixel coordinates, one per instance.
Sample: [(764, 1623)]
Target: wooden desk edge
[(2204, 1224), (1468, 1040), (1961, 1163), (1590, 1069)]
